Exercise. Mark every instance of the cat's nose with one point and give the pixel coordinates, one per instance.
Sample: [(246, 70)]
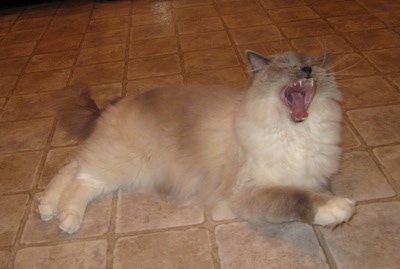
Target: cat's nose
[(307, 70)]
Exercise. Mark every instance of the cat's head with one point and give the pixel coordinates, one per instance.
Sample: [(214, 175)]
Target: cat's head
[(295, 79)]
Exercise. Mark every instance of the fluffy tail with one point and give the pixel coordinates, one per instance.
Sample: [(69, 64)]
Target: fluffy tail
[(76, 110)]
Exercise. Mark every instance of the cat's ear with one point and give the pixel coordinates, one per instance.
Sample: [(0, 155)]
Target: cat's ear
[(323, 59), (256, 61)]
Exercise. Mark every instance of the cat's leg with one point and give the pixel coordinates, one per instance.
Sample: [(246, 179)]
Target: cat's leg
[(74, 201), (284, 204), (48, 201)]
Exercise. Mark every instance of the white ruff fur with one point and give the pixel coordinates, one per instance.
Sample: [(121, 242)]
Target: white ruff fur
[(213, 144)]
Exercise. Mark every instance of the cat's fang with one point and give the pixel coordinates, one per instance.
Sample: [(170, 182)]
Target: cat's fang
[(297, 97)]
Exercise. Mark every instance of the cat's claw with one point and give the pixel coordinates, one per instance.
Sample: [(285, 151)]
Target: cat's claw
[(334, 212), (69, 221)]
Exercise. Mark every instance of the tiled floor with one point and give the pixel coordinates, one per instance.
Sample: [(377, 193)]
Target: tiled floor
[(127, 47)]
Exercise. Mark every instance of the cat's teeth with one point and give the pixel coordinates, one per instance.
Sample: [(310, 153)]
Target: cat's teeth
[(312, 83), (300, 83)]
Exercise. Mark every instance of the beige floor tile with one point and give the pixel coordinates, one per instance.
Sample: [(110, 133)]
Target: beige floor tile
[(236, 7), (332, 9), (108, 12), (154, 66), (230, 77), (4, 256), (5, 26), (25, 107), (353, 23), (210, 59), (374, 39), (386, 59), (66, 28), (51, 61), (319, 45), (395, 78), (188, 3), (315, 27), (153, 47), (32, 23), (99, 73), (96, 222), (245, 20), (194, 13), (43, 81), (174, 249), (18, 171), (108, 24), (151, 7), (377, 6), (390, 17), (67, 256), (151, 18), (24, 135), (22, 36), (103, 38), (56, 43), (6, 84), (360, 179), (152, 31), (270, 4), (356, 96), (255, 34), (200, 25), (201, 41), (389, 157), (39, 11), (350, 141), (378, 125), (11, 210), (17, 50), (370, 240), (12, 66), (350, 65), (140, 212), (143, 85), (292, 14), (102, 54), (275, 246)]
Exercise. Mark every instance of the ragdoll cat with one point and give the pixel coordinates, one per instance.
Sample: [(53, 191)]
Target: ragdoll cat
[(268, 152)]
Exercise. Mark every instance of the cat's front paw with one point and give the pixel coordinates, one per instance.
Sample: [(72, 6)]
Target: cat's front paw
[(334, 212), (69, 221), (46, 208), (46, 211)]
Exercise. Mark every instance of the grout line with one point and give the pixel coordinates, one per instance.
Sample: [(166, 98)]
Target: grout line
[(324, 247)]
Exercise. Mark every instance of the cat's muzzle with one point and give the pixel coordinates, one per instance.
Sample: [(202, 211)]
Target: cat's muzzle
[(297, 97)]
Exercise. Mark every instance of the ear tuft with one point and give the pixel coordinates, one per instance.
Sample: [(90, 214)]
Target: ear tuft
[(256, 61)]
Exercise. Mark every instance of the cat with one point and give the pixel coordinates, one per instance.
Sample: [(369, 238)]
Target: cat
[(268, 151)]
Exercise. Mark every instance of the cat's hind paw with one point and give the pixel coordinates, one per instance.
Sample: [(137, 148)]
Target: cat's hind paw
[(69, 221), (336, 211)]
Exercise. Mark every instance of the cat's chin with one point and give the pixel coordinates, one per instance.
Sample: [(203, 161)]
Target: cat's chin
[(297, 97)]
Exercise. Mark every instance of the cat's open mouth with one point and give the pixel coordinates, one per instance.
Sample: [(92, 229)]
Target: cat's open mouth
[(297, 97)]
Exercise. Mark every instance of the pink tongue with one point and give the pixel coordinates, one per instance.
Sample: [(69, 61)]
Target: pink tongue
[(298, 109)]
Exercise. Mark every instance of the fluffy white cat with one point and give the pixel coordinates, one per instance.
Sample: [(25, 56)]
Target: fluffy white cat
[(268, 151)]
